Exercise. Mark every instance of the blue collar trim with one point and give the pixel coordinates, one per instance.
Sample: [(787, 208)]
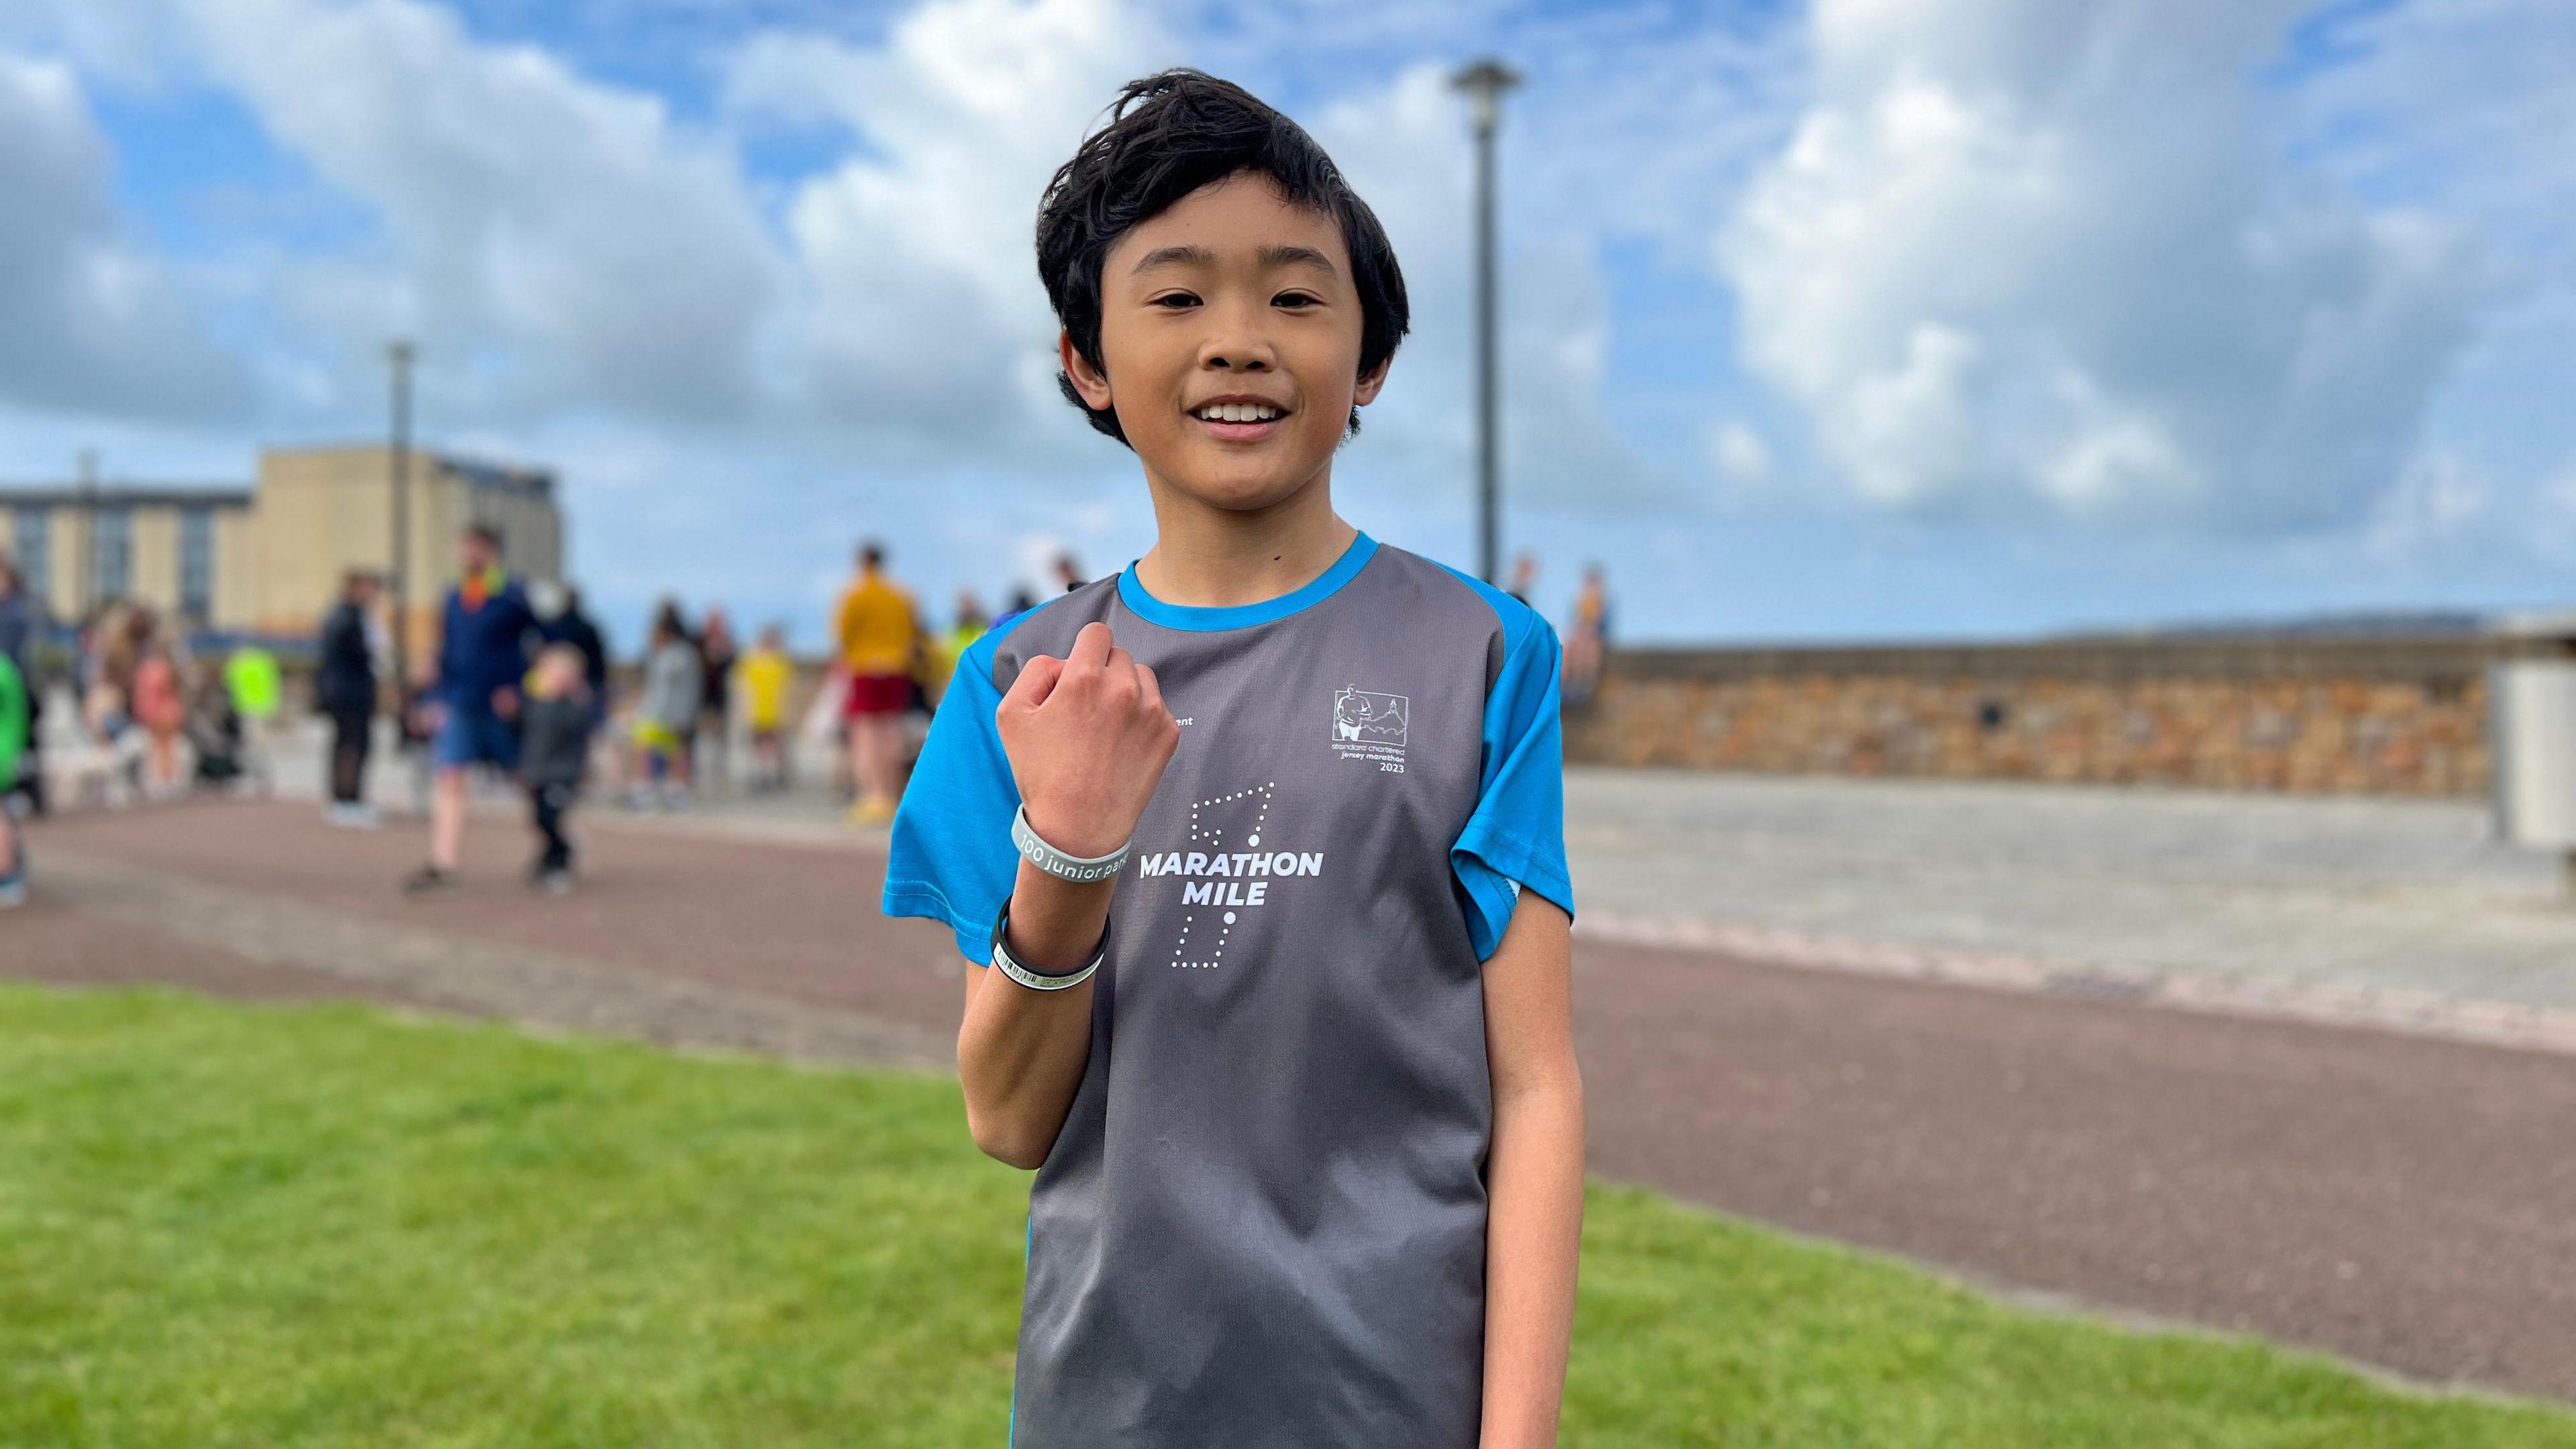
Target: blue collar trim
[(1243, 616)]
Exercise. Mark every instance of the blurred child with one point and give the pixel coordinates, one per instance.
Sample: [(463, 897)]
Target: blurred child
[(13, 745), (767, 673), (160, 705), (214, 729), (665, 712), (554, 749)]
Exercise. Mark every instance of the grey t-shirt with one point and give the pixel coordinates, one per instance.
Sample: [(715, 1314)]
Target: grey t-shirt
[(1264, 1220)]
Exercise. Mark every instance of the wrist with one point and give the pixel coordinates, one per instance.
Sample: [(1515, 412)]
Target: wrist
[(1056, 861), (1074, 832), (1042, 971)]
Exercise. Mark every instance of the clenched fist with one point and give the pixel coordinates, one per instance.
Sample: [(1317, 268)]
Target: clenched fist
[(1088, 736)]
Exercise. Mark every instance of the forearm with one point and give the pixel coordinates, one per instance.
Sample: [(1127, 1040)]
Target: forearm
[(1534, 1227), (1021, 1053), (1533, 1176)]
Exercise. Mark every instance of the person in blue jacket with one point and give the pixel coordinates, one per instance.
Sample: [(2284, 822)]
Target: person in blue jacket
[(485, 631)]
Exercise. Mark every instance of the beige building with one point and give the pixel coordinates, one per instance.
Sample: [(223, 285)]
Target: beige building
[(268, 559)]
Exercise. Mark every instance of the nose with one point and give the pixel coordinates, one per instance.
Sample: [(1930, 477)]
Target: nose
[(1237, 341)]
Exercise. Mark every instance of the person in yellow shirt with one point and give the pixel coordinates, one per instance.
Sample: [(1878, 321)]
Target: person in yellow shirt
[(766, 673), (880, 638)]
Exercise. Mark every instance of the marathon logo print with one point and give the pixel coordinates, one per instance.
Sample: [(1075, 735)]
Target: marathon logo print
[(1368, 725)]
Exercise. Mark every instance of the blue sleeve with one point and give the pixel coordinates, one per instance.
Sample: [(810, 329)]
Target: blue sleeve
[(1515, 840), (952, 857)]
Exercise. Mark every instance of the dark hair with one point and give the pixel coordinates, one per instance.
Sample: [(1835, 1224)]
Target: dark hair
[(490, 533), (872, 553), (1168, 135)]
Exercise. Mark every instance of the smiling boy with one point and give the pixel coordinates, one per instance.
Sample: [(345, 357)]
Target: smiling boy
[(1263, 841)]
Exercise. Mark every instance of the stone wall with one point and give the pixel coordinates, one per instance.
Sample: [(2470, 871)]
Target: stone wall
[(2401, 716)]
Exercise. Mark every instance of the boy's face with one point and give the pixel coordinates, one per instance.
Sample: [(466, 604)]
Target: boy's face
[(1232, 299)]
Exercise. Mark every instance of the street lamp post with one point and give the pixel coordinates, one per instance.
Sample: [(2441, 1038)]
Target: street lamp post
[(1483, 83), (398, 577)]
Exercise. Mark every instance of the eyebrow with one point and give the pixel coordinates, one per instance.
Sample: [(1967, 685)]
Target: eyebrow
[(1273, 255), (1180, 256), (1279, 256)]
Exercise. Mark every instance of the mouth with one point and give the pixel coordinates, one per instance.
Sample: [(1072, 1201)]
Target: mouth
[(1240, 419)]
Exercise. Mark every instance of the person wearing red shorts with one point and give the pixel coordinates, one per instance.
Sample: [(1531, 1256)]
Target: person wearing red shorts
[(880, 636)]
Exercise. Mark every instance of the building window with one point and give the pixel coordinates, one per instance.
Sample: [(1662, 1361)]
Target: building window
[(34, 552), (197, 564), (111, 554)]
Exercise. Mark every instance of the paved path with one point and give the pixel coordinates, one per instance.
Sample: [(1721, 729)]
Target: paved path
[(2413, 897), (2409, 1202), (2401, 894)]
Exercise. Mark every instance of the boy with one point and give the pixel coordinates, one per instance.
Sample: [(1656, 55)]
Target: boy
[(554, 751), (767, 673), (1297, 1074), (14, 717)]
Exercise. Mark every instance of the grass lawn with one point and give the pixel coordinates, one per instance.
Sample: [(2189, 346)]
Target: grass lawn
[(327, 1226)]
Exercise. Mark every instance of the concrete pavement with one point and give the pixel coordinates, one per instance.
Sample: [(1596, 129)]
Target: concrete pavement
[(2410, 895), (2404, 913)]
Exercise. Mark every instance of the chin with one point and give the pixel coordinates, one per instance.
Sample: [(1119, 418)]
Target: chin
[(1240, 494), (1241, 483)]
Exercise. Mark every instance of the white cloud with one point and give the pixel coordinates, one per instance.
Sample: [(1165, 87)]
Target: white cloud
[(87, 322), (562, 244), (555, 239), (1739, 452), (918, 297), (2022, 254)]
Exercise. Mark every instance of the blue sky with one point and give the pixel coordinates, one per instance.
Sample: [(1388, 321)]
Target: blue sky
[(1867, 318)]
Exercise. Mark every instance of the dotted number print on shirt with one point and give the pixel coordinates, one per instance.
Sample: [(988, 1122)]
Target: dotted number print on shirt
[(1208, 835)]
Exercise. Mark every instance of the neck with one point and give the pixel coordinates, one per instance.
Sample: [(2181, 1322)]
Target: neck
[(1216, 558)]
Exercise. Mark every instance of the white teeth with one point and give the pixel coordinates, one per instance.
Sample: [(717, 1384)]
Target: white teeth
[(1238, 412)]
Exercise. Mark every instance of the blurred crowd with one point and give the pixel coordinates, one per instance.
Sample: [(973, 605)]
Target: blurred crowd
[(517, 689)]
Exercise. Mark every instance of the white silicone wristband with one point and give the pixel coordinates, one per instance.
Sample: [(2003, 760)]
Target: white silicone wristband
[(1079, 869), (1009, 966)]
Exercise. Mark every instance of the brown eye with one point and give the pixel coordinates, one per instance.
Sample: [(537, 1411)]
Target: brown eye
[(1293, 300), (1175, 301)]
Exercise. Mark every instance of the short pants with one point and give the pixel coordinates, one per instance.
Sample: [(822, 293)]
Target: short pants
[(877, 694), (475, 736)]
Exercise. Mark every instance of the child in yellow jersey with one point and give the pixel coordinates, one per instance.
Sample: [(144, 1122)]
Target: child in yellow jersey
[(880, 638), (765, 675)]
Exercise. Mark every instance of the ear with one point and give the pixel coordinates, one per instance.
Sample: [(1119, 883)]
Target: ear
[(1087, 380), (1370, 383)]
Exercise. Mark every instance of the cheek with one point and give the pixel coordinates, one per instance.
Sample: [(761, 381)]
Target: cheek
[(1328, 367), (1143, 358)]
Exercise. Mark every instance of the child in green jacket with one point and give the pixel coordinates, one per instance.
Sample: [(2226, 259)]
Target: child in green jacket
[(13, 744)]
